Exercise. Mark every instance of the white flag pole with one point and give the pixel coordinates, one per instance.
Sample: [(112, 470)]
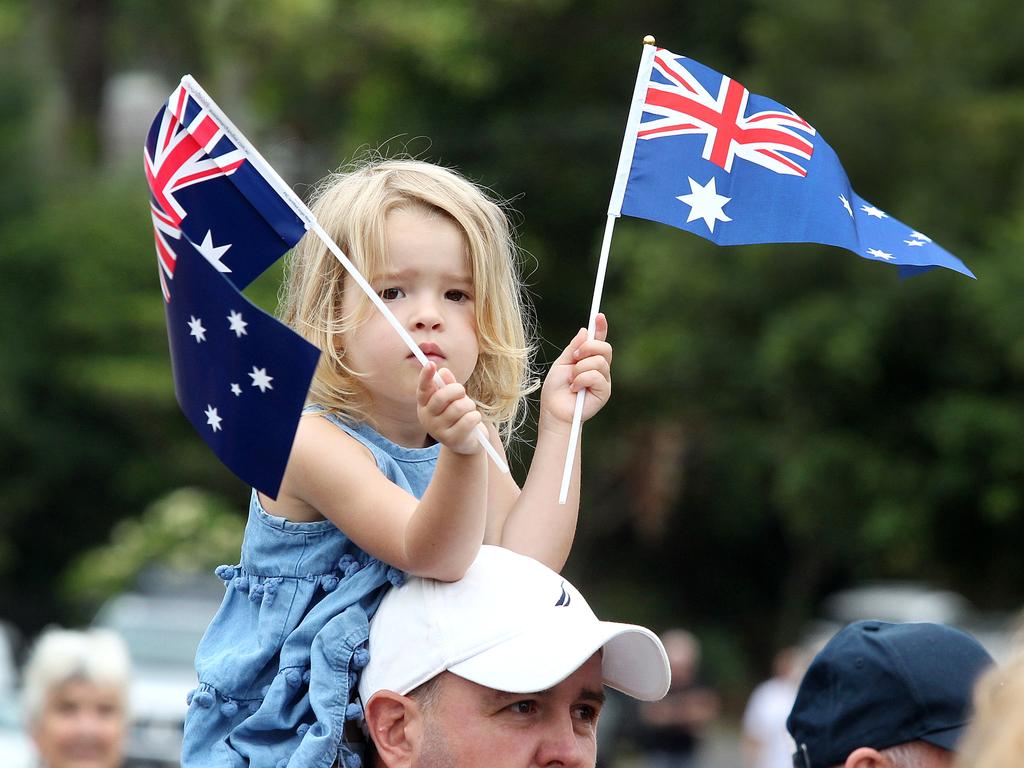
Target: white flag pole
[(614, 211), (307, 217)]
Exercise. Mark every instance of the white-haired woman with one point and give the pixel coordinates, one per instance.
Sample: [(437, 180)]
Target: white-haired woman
[(75, 698)]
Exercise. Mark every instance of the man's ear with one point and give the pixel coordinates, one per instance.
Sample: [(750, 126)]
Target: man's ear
[(866, 757), (395, 724)]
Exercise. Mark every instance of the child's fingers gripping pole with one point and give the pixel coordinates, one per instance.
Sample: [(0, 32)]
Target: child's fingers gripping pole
[(481, 432), (577, 416)]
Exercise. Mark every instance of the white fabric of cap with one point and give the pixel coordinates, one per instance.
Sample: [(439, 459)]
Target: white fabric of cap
[(510, 624)]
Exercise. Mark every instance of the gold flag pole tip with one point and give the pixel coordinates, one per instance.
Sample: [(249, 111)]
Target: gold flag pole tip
[(649, 40)]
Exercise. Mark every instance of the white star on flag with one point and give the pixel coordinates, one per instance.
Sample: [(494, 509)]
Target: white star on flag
[(213, 253), (870, 210), (237, 323), (212, 418), (235, 389), (705, 203), (260, 379), (196, 329), (912, 243), (880, 254), (918, 236), (846, 205)]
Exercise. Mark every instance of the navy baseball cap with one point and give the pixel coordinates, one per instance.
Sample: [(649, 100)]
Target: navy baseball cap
[(877, 684)]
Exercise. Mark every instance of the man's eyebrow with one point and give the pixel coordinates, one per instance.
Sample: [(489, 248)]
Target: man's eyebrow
[(588, 694), (585, 694)]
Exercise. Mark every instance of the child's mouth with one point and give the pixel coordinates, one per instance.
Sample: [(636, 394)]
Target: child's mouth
[(432, 352)]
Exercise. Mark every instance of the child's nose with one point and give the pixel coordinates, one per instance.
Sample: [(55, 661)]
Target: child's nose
[(427, 316)]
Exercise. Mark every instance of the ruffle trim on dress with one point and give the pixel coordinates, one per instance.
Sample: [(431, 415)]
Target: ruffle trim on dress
[(263, 588)]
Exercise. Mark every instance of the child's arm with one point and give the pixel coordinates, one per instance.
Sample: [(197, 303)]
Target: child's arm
[(332, 475), (532, 522)]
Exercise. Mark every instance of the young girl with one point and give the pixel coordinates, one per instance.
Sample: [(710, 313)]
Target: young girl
[(386, 475)]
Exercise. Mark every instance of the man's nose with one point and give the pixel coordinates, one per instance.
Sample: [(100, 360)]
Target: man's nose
[(561, 745)]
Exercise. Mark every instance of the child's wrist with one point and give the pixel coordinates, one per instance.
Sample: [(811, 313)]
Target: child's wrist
[(472, 448), (552, 425)]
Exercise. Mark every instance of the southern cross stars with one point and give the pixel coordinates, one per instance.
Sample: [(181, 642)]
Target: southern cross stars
[(880, 254), (237, 323), (705, 203), (878, 213), (846, 205), (212, 418), (195, 326), (260, 379)]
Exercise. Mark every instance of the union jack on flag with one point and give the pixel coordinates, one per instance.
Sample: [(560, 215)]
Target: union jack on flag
[(685, 106), (704, 154), (206, 193)]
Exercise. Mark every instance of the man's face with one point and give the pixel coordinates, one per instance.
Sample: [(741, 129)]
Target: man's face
[(469, 726)]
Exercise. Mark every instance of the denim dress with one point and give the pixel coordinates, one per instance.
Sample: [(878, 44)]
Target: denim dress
[(278, 665)]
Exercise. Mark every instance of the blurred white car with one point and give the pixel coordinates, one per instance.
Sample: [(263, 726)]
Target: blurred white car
[(162, 632), (909, 601), (16, 749)]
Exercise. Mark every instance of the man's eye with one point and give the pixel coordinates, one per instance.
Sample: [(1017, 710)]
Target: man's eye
[(587, 713), (524, 707), (390, 294), (456, 296)]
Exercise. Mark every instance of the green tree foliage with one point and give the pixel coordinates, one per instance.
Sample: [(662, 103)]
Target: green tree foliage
[(188, 531)]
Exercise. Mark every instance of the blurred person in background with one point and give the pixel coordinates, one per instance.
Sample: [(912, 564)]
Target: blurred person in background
[(75, 698), (995, 738), (766, 742), (669, 731)]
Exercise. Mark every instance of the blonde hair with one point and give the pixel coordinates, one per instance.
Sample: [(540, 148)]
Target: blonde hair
[(352, 205), (61, 656), (995, 738)]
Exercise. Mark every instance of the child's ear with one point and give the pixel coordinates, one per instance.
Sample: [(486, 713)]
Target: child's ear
[(396, 727)]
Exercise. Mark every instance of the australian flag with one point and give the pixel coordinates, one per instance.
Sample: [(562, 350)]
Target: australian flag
[(219, 220), (737, 168)]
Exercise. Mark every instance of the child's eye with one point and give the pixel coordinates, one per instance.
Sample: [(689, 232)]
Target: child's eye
[(390, 294), (455, 295)]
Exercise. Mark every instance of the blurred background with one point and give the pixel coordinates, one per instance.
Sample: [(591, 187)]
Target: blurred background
[(789, 422)]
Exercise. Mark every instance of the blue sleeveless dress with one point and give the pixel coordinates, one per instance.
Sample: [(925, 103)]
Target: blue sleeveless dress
[(278, 665)]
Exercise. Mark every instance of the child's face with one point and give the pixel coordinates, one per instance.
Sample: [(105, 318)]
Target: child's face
[(429, 288)]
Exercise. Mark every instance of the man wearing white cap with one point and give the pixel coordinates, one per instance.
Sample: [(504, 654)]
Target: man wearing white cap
[(504, 668)]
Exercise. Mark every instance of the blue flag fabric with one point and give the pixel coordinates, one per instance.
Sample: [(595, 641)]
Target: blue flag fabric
[(737, 168), (240, 376)]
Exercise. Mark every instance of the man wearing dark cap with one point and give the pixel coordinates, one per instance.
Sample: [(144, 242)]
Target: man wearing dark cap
[(883, 695)]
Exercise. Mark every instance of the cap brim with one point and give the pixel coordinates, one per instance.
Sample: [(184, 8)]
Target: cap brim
[(540, 657), (946, 739)]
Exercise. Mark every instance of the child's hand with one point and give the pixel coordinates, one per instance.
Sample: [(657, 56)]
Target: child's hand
[(582, 365), (447, 413)]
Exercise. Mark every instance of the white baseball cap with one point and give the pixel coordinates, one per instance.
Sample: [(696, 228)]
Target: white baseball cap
[(510, 624)]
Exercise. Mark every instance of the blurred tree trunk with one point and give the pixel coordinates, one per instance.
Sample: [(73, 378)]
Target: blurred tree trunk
[(80, 30)]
